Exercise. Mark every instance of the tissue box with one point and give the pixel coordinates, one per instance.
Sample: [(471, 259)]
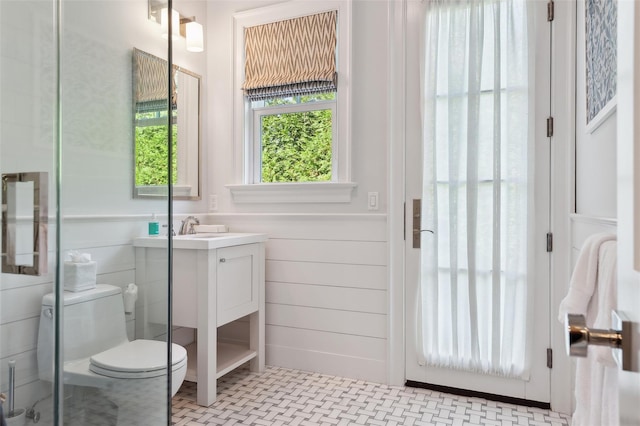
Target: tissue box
[(79, 276)]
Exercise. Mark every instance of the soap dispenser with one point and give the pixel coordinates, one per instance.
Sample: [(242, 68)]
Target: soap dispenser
[(154, 226)]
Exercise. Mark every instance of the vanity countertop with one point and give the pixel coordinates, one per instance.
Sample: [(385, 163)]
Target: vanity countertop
[(201, 241)]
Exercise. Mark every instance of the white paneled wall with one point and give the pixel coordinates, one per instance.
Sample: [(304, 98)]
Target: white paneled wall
[(108, 240), (326, 267), (97, 139), (326, 273), (326, 291)]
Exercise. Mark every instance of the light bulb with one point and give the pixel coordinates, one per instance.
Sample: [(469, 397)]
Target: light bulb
[(175, 23), (195, 42)]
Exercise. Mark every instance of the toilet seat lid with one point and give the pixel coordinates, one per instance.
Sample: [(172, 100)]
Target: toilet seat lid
[(139, 356)]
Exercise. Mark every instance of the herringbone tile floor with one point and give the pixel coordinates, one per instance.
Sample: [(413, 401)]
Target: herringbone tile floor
[(289, 397)]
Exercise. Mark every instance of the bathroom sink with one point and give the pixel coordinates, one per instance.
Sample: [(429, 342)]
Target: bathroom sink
[(202, 241), (203, 235)]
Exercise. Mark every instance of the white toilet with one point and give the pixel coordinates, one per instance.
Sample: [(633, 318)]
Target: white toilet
[(97, 352)]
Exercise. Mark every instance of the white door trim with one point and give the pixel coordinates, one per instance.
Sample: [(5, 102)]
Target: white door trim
[(563, 61), (397, 111), (628, 187)]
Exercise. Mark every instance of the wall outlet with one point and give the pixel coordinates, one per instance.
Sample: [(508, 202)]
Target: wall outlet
[(372, 201), (213, 203)]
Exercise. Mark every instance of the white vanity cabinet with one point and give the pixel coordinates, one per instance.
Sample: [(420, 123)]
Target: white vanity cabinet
[(216, 279)]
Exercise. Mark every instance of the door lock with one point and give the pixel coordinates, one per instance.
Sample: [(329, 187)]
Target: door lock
[(417, 223)]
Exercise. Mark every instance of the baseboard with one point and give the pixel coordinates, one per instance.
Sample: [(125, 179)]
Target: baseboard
[(371, 370)]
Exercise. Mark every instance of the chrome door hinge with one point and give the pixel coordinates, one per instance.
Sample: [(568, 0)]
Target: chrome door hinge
[(549, 127), (550, 10), (549, 358), (549, 242)]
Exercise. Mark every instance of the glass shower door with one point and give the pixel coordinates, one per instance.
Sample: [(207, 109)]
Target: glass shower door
[(66, 115), (100, 218), (27, 145)]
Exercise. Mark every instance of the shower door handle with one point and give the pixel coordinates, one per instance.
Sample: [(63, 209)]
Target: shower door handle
[(618, 338), (25, 219)]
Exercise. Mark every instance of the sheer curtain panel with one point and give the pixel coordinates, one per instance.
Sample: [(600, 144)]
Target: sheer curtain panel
[(477, 187)]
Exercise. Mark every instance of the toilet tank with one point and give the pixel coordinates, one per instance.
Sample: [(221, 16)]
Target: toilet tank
[(93, 322)]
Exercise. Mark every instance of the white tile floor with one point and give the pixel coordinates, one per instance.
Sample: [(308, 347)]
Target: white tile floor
[(289, 397)]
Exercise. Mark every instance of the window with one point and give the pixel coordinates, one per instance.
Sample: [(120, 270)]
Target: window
[(292, 133), (293, 138)]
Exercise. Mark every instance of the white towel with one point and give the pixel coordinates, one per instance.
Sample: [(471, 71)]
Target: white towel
[(606, 296), (584, 277), (592, 293)]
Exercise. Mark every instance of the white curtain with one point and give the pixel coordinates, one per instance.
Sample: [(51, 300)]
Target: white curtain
[(477, 187)]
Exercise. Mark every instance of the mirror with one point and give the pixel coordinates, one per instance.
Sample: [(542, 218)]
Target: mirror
[(150, 109)]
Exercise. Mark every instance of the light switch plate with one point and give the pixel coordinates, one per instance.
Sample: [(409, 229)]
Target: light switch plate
[(372, 201), (213, 203)]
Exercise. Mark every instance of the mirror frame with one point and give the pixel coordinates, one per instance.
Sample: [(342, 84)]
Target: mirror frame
[(161, 191)]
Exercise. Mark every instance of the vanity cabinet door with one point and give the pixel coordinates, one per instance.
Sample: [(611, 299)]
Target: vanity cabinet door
[(238, 282)]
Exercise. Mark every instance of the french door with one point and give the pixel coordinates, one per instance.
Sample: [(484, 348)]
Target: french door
[(461, 309)]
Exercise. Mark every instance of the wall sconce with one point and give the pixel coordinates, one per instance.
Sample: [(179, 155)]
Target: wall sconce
[(194, 35), (186, 27), (175, 23)]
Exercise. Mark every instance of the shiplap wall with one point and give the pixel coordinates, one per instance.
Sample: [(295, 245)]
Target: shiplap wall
[(108, 240), (326, 273), (326, 263), (326, 291), (96, 142)]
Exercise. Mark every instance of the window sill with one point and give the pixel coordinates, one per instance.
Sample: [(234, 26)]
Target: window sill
[(298, 192), (162, 191)]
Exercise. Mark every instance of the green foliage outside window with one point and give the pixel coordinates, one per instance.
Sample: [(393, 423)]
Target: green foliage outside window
[(151, 155), (296, 147)]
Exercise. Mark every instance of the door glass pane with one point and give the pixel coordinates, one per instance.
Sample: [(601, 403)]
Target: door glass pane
[(65, 115), (476, 195), (114, 374), (27, 145)]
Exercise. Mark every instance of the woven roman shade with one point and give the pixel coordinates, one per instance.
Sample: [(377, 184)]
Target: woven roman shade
[(151, 81), (291, 57)]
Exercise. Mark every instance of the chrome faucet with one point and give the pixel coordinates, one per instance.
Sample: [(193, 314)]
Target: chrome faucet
[(188, 225)]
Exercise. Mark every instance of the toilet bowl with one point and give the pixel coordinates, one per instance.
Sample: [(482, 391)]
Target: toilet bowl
[(98, 354)]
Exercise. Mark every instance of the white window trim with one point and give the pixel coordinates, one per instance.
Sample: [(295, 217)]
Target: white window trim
[(293, 192), (243, 189), (162, 190)]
